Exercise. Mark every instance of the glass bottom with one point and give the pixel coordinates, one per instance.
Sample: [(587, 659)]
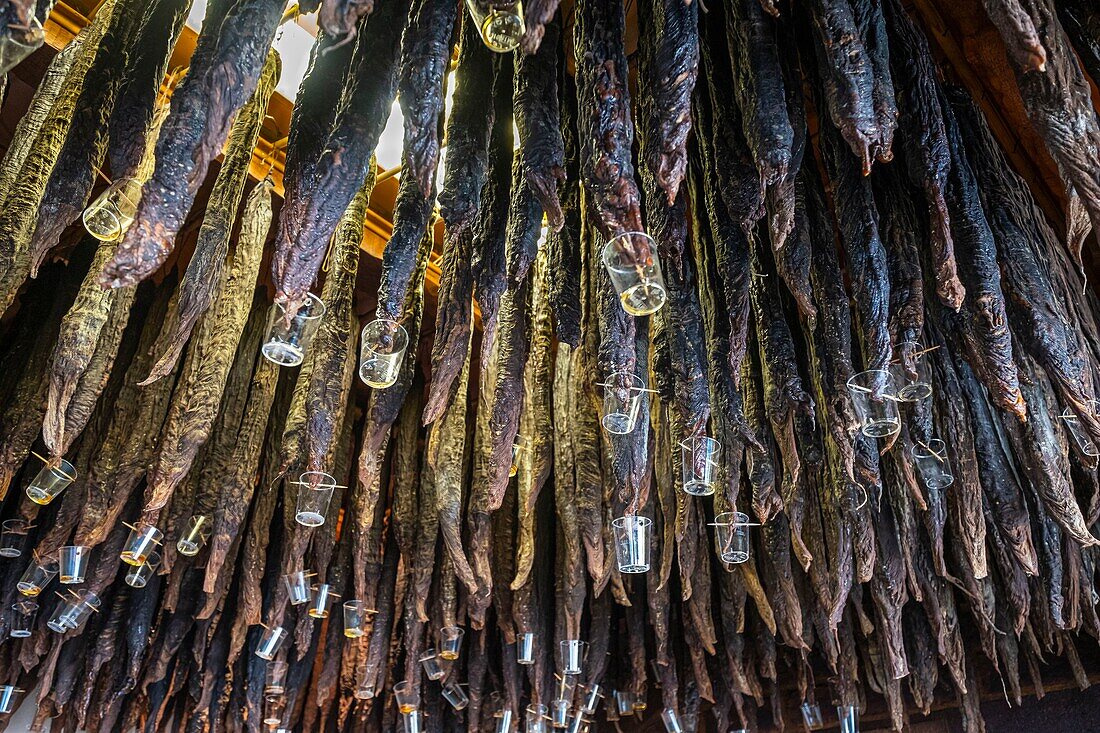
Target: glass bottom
[(136, 581), (274, 690), (10, 552), (406, 709), (264, 655), (272, 720), (57, 626), (617, 423), (449, 656), (354, 633), (915, 392), (526, 660), (103, 222), (735, 557), (20, 633), (28, 589), (502, 32), (188, 548), (941, 482), (699, 488), (571, 670), (131, 559), (643, 299), (374, 375), (314, 613), (71, 579), (38, 496), (636, 568), (881, 428), (310, 519), (281, 353)]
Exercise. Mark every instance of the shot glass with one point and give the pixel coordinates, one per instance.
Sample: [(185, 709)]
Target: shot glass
[(912, 372), (874, 397), (731, 537), (322, 601), (143, 540), (381, 352), (579, 724), (1081, 436), (671, 719), (429, 660), (314, 495), (72, 561), (407, 696), (455, 696), (285, 343), (505, 721), (932, 465), (632, 543), (16, 47), (699, 463), (355, 619), (275, 681), (274, 709), (113, 211), (592, 695), (22, 618), (138, 576), (631, 261), (298, 588), (525, 648), (37, 576), (195, 536), (13, 537), (848, 715), (81, 605), (59, 622), (270, 641), (518, 448), (559, 713), (537, 717), (364, 691), (811, 715), (10, 696), (499, 22), (450, 642), (411, 721), (51, 481), (624, 702), (573, 653), (622, 401)]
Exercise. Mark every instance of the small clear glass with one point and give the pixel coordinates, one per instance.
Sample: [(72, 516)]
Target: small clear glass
[(932, 464), (138, 576), (298, 588), (381, 352), (9, 698), (274, 709), (537, 716), (322, 600), (72, 561), (1080, 435), (592, 695), (143, 540), (314, 495), (411, 721), (450, 642), (195, 536), (16, 47), (912, 372), (811, 715), (500, 23), (270, 641), (364, 691), (22, 618), (37, 576), (74, 610), (13, 537), (407, 696), (671, 719), (573, 653), (631, 261), (275, 681), (433, 668), (731, 537), (455, 696), (355, 619), (59, 622), (624, 702), (525, 648), (517, 452), (578, 724), (113, 211), (54, 477), (622, 401), (874, 397), (848, 715), (505, 721), (699, 463), (559, 713), (632, 543), (285, 343)]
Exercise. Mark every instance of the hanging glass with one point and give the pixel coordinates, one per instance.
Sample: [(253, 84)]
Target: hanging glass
[(113, 211), (849, 718), (592, 695), (811, 715), (411, 721), (22, 618), (671, 719), (138, 576), (274, 709), (322, 600), (622, 401), (382, 347), (195, 536), (731, 536), (559, 713), (54, 477), (632, 543), (13, 537), (37, 576), (450, 642), (314, 495), (932, 465), (14, 47), (537, 715), (275, 682), (500, 23), (270, 641), (624, 702), (525, 648), (407, 696), (455, 695), (631, 261), (1081, 436), (298, 588), (143, 540), (429, 660), (505, 721), (573, 653), (912, 372), (699, 463), (72, 561), (355, 619), (874, 397), (285, 343), (9, 698)]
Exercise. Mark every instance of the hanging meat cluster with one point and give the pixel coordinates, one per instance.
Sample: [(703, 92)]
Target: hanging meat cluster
[(758, 381)]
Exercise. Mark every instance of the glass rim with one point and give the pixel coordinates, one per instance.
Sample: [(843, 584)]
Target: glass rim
[(637, 383), (397, 330), (9, 525), (711, 443), (63, 468), (854, 380), (452, 630), (330, 483), (928, 450), (314, 301), (620, 522), (735, 519)]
